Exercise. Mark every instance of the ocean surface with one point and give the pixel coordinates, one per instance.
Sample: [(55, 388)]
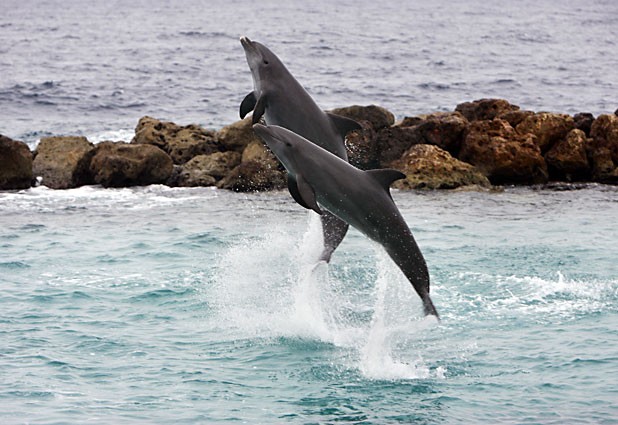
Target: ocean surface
[(197, 306)]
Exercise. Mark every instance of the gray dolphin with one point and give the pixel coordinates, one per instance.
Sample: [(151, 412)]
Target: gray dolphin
[(281, 100), (360, 198)]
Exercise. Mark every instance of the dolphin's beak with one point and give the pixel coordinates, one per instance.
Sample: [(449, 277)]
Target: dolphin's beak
[(246, 43), (262, 131)]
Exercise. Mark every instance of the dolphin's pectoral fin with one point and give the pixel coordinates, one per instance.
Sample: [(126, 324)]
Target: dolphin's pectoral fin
[(386, 176), (303, 193), (293, 188), (344, 125), (248, 104), (260, 108)]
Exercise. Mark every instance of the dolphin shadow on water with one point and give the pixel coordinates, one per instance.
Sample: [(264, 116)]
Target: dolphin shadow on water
[(281, 100), (324, 182)]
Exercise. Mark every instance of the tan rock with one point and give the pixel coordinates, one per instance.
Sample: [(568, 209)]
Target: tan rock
[(429, 167), (547, 127), (181, 142), (377, 116), (15, 164), (237, 136), (123, 164), (62, 162), (567, 159), (485, 109), (502, 154)]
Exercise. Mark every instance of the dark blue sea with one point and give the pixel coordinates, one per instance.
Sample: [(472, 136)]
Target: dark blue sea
[(160, 305)]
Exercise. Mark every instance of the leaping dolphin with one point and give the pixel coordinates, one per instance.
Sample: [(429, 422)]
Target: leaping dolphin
[(362, 199), (281, 100)]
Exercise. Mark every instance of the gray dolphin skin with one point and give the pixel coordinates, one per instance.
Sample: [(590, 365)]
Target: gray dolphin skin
[(282, 101), (360, 198)]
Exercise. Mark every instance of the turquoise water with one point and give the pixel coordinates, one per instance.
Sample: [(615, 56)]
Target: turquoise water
[(159, 305)]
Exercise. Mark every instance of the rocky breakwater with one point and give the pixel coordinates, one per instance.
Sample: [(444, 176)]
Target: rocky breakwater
[(481, 143)]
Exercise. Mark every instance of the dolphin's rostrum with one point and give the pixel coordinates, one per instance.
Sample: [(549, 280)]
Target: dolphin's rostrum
[(324, 182), (281, 100)]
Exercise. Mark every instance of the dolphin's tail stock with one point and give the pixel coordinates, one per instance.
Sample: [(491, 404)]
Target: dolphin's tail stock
[(429, 307), (333, 230)]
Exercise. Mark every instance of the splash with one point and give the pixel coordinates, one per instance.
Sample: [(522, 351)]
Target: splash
[(272, 287)]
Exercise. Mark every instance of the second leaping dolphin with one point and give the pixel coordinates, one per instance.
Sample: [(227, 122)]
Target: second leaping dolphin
[(360, 198), (281, 100)]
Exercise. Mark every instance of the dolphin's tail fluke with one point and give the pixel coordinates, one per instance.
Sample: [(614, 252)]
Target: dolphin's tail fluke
[(429, 307)]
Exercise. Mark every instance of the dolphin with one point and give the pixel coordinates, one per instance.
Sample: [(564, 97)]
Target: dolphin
[(281, 100), (360, 198)]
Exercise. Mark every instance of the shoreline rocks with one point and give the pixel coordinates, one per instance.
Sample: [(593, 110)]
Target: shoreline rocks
[(481, 143)]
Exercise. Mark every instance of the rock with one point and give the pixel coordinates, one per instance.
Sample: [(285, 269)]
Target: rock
[(377, 116), (181, 142), (119, 164), (485, 109), (259, 152), (502, 154), (443, 129), (253, 176), (204, 170), (567, 159), (62, 162), (604, 149), (547, 127), (515, 117), (583, 121), (15, 164), (393, 141), (237, 136), (362, 148), (430, 167)]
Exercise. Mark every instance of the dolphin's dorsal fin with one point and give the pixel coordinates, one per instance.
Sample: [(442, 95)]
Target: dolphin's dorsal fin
[(386, 176), (303, 193), (342, 124), (248, 104)]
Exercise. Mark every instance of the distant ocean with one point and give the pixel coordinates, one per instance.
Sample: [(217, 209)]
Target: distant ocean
[(196, 305)]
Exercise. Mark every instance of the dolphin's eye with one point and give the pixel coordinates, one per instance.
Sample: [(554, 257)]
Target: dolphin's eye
[(288, 144), (265, 62)]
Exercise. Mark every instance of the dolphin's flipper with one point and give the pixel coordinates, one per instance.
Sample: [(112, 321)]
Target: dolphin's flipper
[(303, 193), (260, 109), (333, 230), (344, 125), (248, 104)]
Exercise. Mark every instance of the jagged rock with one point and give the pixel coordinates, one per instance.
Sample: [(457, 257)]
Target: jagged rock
[(259, 152), (362, 148), (567, 159), (253, 176), (502, 154), (583, 121), (62, 162), (377, 116), (181, 142), (547, 127), (393, 141), (118, 164), (443, 129), (237, 136), (515, 117), (604, 148), (15, 164), (204, 170), (485, 109), (429, 167)]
